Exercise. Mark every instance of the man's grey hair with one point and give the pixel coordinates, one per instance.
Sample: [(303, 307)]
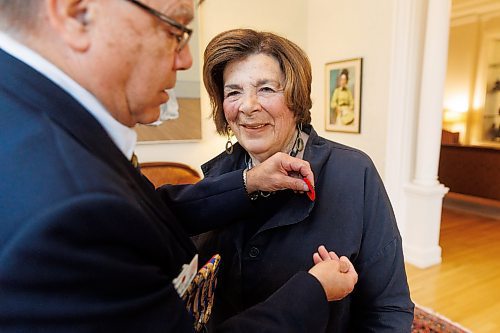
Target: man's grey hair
[(19, 15)]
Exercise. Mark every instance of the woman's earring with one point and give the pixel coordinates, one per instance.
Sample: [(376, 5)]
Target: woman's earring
[(300, 142), (229, 143)]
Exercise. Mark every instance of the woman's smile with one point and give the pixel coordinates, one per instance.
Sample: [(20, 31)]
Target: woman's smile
[(254, 127)]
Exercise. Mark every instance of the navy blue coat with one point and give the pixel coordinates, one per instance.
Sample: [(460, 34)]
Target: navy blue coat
[(352, 216), (86, 244)]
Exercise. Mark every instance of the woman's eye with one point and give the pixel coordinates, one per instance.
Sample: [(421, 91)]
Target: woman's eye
[(232, 93), (267, 89)]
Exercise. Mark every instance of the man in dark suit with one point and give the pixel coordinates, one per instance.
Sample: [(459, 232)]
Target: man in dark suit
[(86, 244)]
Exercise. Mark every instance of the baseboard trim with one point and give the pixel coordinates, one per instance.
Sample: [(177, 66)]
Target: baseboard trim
[(422, 257), (471, 204)]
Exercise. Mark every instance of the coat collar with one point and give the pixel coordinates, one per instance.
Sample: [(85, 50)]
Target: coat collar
[(299, 207), (44, 96)]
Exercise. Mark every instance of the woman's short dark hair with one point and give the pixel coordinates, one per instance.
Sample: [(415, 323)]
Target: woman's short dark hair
[(237, 44)]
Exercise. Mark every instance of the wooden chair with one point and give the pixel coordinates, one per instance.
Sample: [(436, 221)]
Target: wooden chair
[(161, 173), (449, 138)]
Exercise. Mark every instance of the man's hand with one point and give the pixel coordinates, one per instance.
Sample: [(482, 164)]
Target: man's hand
[(337, 276), (279, 172)]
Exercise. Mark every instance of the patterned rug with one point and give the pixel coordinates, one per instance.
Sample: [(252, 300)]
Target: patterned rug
[(427, 321)]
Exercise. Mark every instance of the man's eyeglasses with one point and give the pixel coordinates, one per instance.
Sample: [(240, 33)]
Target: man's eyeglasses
[(182, 37)]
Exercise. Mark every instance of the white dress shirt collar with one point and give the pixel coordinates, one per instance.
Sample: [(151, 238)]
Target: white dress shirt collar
[(124, 137)]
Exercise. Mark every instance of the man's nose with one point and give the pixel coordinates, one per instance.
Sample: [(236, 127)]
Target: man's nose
[(183, 59)]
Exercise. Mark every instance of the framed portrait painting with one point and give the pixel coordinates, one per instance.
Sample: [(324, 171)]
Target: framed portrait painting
[(343, 95)]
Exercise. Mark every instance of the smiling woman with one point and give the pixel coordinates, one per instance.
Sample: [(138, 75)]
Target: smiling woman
[(255, 108), (259, 86)]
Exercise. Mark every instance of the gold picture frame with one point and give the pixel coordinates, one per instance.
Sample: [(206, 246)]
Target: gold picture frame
[(343, 95)]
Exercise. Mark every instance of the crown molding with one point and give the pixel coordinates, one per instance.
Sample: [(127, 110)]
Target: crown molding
[(489, 8), (464, 20)]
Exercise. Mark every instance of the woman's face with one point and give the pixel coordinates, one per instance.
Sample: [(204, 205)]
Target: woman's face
[(254, 106), (343, 80)]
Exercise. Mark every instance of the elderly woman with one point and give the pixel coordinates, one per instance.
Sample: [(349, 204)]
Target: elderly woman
[(259, 86)]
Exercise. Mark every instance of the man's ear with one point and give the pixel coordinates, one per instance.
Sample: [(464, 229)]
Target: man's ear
[(71, 18)]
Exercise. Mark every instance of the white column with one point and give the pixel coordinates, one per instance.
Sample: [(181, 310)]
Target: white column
[(405, 74), (425, 193), (431, 93)]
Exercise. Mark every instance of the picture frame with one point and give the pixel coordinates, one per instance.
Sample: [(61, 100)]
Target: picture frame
[(186, 127), (343, 95)]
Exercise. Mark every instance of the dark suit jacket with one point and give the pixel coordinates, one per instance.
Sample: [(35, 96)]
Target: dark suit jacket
[(86, 245), (352, 216)]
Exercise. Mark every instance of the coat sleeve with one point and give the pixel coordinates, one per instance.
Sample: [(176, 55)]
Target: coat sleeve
[(284, 310), (381, 295), (209, 204), (93, 263)]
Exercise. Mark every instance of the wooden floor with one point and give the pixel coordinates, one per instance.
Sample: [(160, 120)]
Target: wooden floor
[(465, 287), (185, 128)]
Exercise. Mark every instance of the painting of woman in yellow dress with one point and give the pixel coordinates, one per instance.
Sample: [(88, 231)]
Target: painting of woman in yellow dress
[(343, 96)]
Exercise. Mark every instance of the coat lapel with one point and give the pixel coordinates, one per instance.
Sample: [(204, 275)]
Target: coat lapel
[(299, 207)]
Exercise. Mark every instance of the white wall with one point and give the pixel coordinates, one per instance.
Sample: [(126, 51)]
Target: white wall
[(328, 30), (350, 29), (285, 17)]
